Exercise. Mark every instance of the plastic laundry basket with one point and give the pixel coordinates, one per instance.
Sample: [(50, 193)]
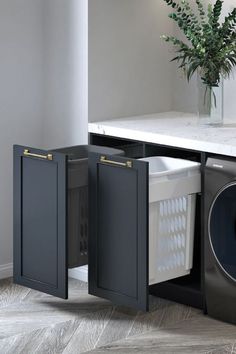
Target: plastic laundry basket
[(173, 184)]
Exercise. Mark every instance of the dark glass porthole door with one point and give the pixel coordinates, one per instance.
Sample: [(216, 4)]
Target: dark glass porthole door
[(222, 229)]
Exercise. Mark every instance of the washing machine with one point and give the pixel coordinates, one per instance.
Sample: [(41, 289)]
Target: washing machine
[(220, 238)]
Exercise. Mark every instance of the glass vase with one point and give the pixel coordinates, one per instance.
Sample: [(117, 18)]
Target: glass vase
[(210, 104)]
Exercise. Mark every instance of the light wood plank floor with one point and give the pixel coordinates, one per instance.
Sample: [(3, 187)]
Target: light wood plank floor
[(32, 322)]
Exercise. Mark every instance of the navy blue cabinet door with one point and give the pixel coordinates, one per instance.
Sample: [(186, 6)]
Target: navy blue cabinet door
[(40, 221), (118, 230)]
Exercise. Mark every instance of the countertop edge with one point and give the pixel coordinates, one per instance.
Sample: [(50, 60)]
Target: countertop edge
[(162, 139)]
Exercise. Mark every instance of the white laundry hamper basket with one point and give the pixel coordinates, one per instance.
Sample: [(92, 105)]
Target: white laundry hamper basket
[(173, 184)]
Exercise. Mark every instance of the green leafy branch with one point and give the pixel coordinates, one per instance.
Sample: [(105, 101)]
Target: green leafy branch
[(211, 45)]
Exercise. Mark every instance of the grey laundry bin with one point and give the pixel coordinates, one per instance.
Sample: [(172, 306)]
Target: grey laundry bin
[(78, 200)]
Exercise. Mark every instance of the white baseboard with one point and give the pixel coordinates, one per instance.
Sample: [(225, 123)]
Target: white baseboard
[(80, 273), (6, 270)]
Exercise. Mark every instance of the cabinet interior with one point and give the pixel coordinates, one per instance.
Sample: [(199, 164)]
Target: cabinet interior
[(188, 287), (77, 200)]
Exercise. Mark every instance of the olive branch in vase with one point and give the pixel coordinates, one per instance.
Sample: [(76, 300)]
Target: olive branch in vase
[(210, 46)]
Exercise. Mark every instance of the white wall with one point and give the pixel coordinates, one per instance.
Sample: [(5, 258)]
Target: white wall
[(185, 94), (66, 66), (43, 87), (230, 85), (129, 69), (20, 100)]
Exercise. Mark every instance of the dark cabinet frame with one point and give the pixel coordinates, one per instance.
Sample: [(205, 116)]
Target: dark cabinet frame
[(41, 233)]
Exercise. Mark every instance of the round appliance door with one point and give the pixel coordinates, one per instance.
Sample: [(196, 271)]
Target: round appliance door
[(222, 229)]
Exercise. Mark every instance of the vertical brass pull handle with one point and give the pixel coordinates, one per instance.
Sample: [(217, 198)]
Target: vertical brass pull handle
[(127, 164), (38, 156)]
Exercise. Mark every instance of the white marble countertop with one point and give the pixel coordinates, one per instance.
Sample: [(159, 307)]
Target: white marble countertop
[(172, 129)]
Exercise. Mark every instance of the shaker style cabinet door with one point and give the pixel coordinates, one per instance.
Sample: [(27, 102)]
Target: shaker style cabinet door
[(118, 230), (40, 213)]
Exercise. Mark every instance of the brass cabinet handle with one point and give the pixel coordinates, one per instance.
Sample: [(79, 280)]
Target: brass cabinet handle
[(127, 164), (38, 156)]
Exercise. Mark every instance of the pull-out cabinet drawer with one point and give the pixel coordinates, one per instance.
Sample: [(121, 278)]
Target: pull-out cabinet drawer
[(118, 222), (118, 236), (122, 263), (50, 215)]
